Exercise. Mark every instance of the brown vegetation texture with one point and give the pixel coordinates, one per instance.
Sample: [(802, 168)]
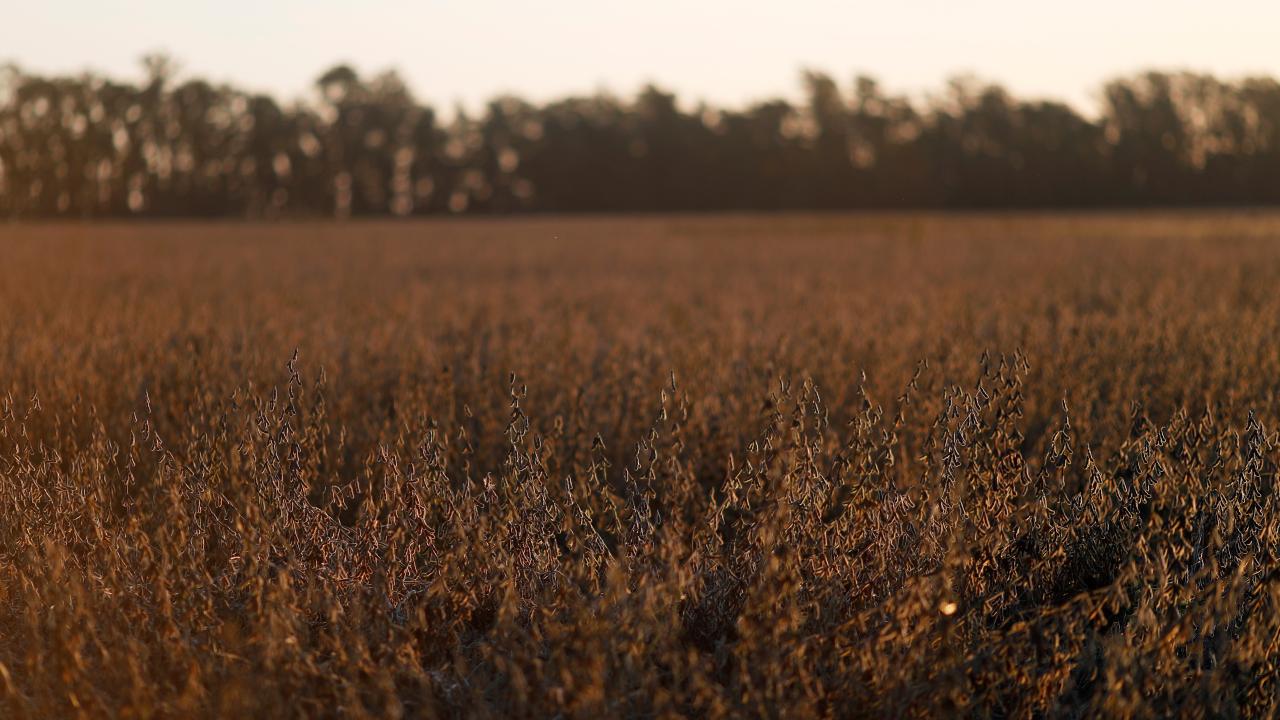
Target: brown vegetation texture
[(798, 466)]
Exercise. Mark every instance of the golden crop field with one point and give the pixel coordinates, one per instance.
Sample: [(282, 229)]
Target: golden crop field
[(772, 466)]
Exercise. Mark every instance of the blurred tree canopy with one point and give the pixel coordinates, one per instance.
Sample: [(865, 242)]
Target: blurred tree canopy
[(89, 146)]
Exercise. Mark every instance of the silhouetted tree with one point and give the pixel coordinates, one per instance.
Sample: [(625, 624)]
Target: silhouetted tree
[(87, 146)]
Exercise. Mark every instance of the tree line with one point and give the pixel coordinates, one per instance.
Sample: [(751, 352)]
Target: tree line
[(91, 146)]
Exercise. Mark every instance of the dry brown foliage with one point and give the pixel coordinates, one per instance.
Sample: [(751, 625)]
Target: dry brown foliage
[(782, 467)]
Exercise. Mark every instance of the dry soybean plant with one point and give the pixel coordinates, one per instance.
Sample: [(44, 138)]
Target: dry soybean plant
[(825, 466)]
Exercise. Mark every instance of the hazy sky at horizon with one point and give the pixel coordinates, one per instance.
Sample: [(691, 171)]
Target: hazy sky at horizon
[(725, 52)]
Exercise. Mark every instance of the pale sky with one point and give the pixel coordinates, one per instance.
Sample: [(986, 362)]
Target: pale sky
[(727, 52)]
